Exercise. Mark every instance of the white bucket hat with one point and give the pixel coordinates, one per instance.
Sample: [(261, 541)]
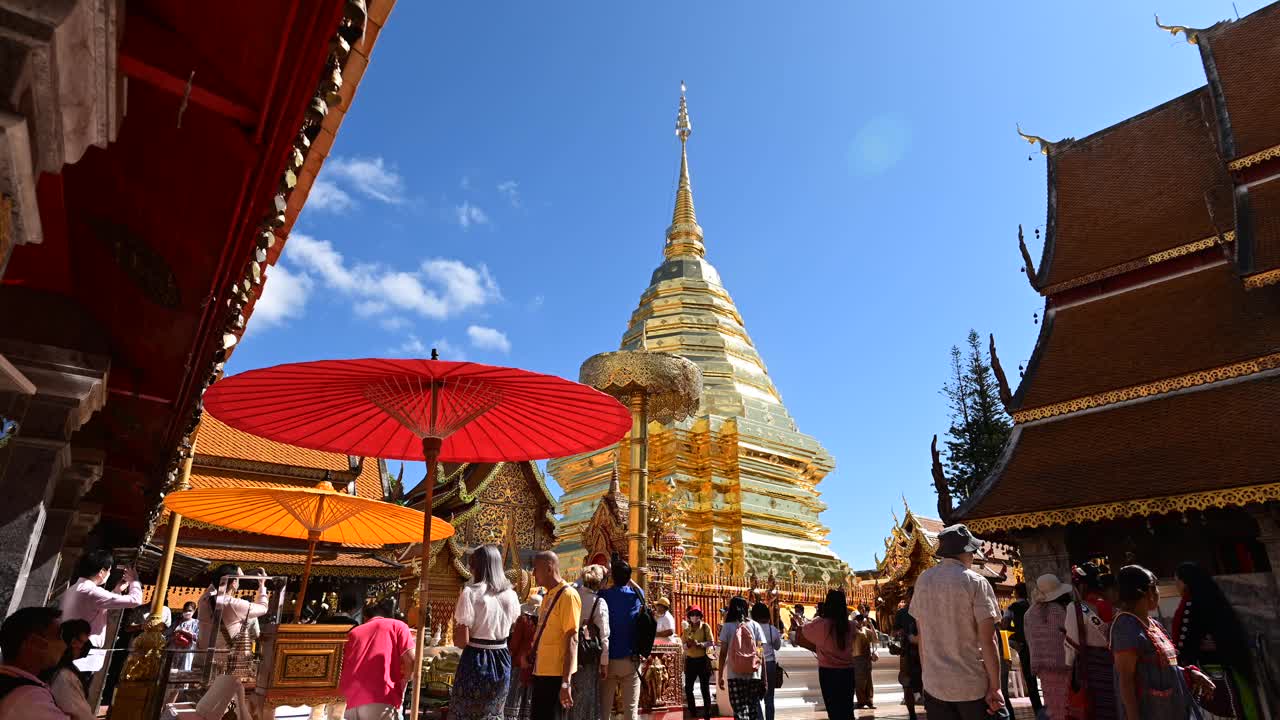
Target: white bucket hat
[(1051, 588)]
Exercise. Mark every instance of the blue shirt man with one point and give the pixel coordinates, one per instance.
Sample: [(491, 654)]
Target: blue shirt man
[(624, 601)]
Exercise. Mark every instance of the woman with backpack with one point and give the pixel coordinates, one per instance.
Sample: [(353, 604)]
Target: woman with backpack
[(830, 635), (593, 646), (741, 651), (486, 610), (772, 643)]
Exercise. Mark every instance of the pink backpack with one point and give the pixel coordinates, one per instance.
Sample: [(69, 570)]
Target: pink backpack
[(743, 658)]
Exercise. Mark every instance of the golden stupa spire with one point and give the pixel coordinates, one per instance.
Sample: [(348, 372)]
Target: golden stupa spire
[(684, 237)]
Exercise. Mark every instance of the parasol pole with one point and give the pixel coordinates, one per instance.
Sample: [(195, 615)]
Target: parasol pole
[(171, 544), (313, 534), (431, 453), (638, 533)]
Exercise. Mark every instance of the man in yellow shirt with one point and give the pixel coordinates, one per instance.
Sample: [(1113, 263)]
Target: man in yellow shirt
[(555, 645), (697, 666)]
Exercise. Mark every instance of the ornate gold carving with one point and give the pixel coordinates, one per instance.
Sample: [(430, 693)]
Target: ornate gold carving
[(1181, 382), (1232, 497), (1192, 34), (1045, 145), (305, 667), (1270, 153), (671, 384), (1262, 279), (1152, 259), (146, 655)]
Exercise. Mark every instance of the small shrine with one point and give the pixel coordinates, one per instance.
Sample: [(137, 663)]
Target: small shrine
[(507, 504), (909, 551)]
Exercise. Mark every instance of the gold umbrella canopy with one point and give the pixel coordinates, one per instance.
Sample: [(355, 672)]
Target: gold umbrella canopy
[(311, 514), (671, 385)]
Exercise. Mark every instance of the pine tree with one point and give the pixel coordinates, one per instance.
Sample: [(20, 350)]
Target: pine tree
[(979, 424)]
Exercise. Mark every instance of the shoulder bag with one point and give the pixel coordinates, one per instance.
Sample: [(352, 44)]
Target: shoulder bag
[(526, 673), (1079, 706), (590, 645)]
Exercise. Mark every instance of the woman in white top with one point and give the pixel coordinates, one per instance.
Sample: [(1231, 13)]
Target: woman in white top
[(772, 643), (593, 663), (228, 621), (482, 620), (64, 680)]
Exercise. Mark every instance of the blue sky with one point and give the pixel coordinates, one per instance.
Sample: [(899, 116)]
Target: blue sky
[(502, 183)]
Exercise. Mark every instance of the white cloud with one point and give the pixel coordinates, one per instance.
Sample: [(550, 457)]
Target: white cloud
[(449, 351), (326, 196), (510, 189), (469, 215), (438, 288), (393, 322), (369, 176), (487, 338), (284, 296), (411, 346)]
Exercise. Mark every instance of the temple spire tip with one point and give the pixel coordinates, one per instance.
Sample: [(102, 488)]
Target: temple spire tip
[(684, 237)]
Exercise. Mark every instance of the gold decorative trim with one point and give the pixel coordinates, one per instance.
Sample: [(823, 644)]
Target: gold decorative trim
[(1152, 259), (1231, 497), (1180, 382), (1262, 279), (1270, 153)]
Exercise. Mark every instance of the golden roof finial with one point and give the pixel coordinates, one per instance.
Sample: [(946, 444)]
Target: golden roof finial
[(1192, 35), (684, 237), (1045, 145)]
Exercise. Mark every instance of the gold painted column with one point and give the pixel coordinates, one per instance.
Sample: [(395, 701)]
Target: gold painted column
[(657, 387), (638, 525), (139, 694)]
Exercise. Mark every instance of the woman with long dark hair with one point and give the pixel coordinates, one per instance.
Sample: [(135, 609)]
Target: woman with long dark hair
[(746, 687), (1088, 648), (772, 643), (1149, 682), (1208, 634), (830, 635), (486, 610), (65, 681)]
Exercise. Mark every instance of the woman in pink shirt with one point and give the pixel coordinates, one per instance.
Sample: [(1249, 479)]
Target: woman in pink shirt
[(87, 600), (830, 635)]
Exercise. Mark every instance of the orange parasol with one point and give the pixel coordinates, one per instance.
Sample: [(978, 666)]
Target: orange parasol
[(311, 514)]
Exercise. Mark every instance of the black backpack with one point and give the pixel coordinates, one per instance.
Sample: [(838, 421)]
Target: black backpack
[(646, 629)]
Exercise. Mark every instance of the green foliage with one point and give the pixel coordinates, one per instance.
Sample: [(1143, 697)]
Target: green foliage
[(979, 424)]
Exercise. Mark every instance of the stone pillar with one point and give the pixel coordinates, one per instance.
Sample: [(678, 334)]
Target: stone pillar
[(1268, 519), (70, 387), (49, 565), (1044, 550)]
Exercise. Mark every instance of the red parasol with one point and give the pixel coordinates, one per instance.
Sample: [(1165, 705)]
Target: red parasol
[(428, 410), (383, 408)]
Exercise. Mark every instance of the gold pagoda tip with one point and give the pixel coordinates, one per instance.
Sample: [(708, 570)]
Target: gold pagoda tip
[(1192, 35), (684, 128), (684, 236)]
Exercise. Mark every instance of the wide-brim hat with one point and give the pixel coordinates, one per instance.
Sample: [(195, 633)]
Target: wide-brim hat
[(663, 602), (957, 540), (1051, 588)]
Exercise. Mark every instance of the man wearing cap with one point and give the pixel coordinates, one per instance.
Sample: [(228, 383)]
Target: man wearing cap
[(697, 666), (956, 611), (666, 622)]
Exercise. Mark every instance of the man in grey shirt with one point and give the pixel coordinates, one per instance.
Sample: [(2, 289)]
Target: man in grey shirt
[(957, 613)]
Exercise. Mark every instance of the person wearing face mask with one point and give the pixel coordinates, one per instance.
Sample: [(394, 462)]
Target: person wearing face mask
[(697, 666), (30, 643), (185, 637), (87, 600), (1149, 682), (65, 681)]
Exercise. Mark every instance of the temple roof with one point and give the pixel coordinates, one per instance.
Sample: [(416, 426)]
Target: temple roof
[(1240, 60), (266, 463), (343, 564), (1133, 190), (1150, 333), (1206, 439)]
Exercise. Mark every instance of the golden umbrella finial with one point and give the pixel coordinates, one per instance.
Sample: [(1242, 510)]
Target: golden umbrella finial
[(684, 128), (1192, 35)]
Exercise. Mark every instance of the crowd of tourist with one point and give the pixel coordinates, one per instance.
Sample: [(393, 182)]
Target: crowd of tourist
[(576, 650), (1092, 646)]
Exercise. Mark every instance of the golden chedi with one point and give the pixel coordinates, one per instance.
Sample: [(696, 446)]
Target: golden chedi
[(746, 478)]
